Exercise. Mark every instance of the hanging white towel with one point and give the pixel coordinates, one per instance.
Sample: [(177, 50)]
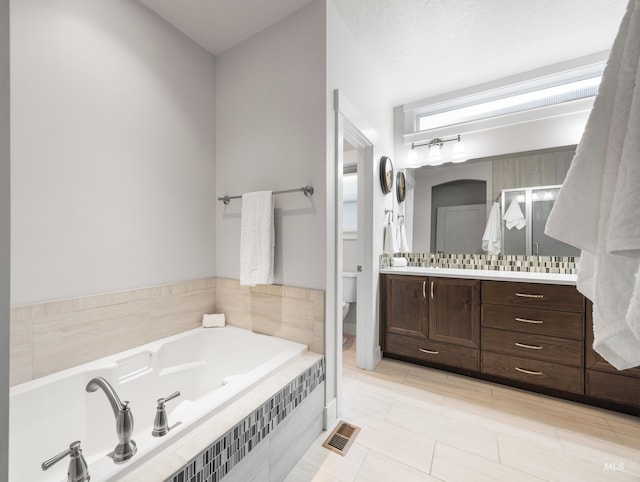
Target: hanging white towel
[(390, 239), (404, 246), (401, 236), (598, 207), (256, 239), (492, 237), (514, 217)]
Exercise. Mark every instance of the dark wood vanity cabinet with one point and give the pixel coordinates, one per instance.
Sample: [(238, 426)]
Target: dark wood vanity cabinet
[(406, 306), (445, 324), (534, 334), (531, 335), (603, 381)]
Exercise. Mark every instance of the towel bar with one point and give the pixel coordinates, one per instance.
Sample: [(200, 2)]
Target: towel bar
[(307, 190)]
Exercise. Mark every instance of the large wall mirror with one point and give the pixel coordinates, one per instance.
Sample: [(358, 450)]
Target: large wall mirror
[(450, 204)]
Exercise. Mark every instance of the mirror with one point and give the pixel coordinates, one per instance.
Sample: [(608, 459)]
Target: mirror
[(449, 205)]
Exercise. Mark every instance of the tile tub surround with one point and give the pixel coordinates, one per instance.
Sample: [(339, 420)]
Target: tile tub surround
[(52, 336), (290, 399), (493, 262), (295, 314)]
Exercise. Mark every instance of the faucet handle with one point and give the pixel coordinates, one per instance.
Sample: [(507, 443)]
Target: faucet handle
[(160, 423), (162, 401), (78, 470)]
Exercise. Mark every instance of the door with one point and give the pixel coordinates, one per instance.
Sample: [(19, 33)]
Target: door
[(406, 305), (459, 229), (454, 311)]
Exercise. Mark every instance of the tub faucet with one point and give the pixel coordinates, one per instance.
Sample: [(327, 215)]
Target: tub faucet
[(78, 470), (124, 419)]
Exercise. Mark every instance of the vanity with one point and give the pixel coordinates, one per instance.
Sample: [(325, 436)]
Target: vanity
[(525, 329)]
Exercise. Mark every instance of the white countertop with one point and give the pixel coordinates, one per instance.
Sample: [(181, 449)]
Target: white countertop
[(485, 274)]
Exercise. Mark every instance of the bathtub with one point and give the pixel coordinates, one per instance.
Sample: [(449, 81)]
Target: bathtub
[(209, 366)]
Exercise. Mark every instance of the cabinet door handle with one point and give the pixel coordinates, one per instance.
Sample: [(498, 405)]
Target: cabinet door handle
[(429, 352), (528, 372), (432, 290), (525, 295), (530, 347), (524, 320), (424, 289)]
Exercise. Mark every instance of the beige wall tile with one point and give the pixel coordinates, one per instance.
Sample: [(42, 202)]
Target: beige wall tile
[(67, 340), (53, 336), (179, 311), (20, 350)]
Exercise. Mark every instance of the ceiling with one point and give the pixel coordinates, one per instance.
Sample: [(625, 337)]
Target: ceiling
[(423, 48)]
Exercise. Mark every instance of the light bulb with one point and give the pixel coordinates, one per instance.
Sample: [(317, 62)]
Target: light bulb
[(412, 158), (435, 157)]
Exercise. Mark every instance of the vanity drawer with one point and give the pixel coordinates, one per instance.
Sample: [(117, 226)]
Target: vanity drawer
[(616, 388), (533, 295), (535, 372), (442, 353), (529, 320), (538, 347)]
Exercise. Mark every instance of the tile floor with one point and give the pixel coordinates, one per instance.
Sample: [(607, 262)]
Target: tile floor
[(420, 424)]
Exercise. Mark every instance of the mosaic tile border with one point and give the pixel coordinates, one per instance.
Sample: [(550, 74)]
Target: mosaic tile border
[(533, 264), (217, 460)]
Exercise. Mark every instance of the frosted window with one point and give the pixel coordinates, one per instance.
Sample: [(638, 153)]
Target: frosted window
[(350, 216)]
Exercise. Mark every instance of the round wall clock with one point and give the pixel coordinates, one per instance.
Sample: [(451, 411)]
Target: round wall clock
[(401, 188), (386, 174)]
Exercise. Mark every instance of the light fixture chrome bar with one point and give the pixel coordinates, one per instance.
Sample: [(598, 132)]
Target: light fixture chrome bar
[(435, 142), (307, 190)]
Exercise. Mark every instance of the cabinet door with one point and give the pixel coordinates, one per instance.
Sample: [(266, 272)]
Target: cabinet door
[(454, 311), (406, 305)]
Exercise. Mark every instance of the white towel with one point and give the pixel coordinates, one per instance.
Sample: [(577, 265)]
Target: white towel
[(390, 239), (514, 217), (402, 238), (398, 262), (598, 207), (256, 239), (492, 237), (213, 321)]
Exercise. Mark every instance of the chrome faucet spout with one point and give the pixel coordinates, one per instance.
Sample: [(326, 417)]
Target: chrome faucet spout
[(124, 419), (111, 394)]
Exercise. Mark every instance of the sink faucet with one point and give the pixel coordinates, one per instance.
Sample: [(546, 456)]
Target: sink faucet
[(124, 419)]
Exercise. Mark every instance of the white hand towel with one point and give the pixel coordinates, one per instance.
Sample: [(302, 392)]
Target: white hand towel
[(256, 239), (514, 217), (492, 237), (404, 246), (398, 262), (598, 207), (213, 321), (390, 239)]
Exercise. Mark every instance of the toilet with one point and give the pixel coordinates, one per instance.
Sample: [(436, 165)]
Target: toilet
[(349, 293)]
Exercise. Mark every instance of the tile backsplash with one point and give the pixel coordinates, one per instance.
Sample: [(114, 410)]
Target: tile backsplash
[(534, 264)]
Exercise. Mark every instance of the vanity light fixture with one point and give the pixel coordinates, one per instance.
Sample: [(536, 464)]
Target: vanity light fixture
[(435, 157)]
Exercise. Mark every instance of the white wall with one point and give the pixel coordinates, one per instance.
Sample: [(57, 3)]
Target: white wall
[(271, 136), (113, 150), (4, 238), (349, 71)]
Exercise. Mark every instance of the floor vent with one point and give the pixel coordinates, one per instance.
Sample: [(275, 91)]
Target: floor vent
[(341, 438)]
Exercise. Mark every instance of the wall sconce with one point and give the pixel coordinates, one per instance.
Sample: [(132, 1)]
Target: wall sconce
[(435, 156)]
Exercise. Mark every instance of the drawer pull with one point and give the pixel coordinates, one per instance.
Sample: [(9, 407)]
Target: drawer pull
[(528, 372), (525, 295), (530, 347), (535, 322), (428, 352)]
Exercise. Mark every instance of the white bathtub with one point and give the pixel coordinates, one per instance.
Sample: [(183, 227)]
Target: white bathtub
[(210, 367)]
